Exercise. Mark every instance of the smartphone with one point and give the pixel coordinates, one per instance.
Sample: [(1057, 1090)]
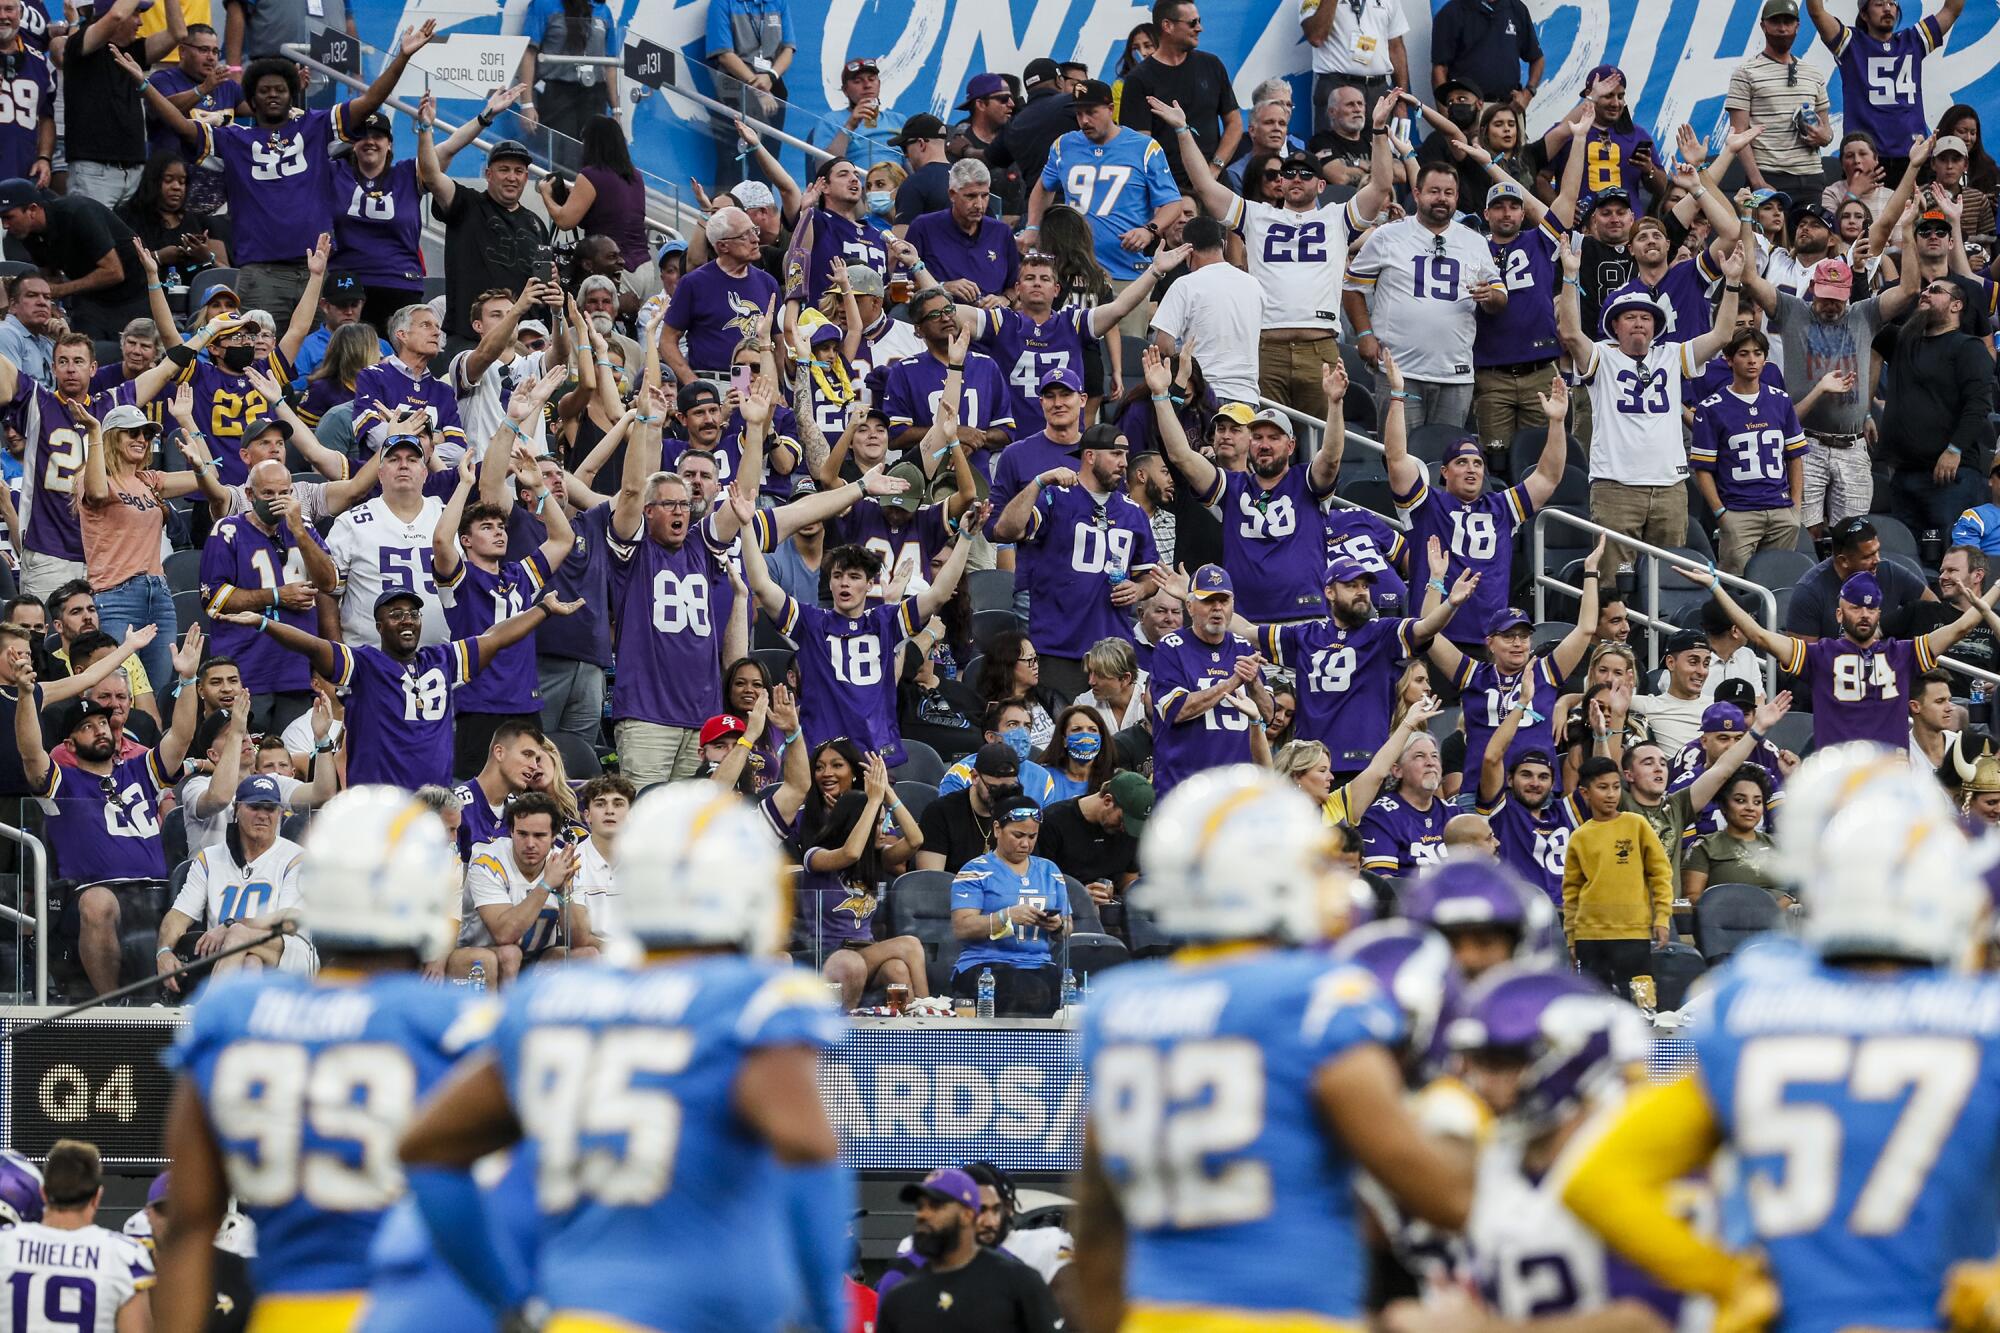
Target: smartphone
[(739, 379), (544, 262)]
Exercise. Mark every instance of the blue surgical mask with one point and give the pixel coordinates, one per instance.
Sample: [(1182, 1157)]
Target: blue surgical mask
[(1016, 739), (1085, 745), (881, 202)]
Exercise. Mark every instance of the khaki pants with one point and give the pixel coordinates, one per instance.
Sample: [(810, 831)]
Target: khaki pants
[(1506, 400), (649, 752), (1741, 533), (1289, 372), (1657, 515)]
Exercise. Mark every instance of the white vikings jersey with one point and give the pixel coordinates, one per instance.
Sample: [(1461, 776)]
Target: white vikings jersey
[(1299, 259), (69, 1281), (1635, 414), (372, 551), (1419, 284)]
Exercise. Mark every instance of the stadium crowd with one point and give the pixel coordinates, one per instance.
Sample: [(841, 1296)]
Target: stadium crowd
[(959, 503)]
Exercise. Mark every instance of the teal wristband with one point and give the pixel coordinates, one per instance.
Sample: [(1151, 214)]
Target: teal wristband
[(1182, 129), (1162, 398), (156, 286), (1365, 333)]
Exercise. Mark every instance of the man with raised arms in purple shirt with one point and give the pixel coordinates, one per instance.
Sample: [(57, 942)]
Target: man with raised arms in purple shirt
[(833, 224), (1861, 682), (912, 386), (1086, 554), (275, 167), (104, 813), (721, 303), (1273, 526), (1882, 71), (403, 383), (903, 532), (1518, 797), (1209, 700), (1475, 528), (1403, 831), (1060, 394)]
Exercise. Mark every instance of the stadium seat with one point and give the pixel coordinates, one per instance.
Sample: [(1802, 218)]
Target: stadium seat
[(1728, 915), (1429, 440), (920, 905), (579, 757), (174, 835), (1082, 907), (988, 624), (991, 589), (776, 661), (1548, 633), (1897, 539), (188, 610), (1697, 541), (1778, 570), (14, 268), (207, 278), (1806, 545), (1370, 493), (1358, 408), (920, 764), (1675, 968), (1524, 451), (1091, 951), (764, 634), (1360, 464), (183, 571), (916, 796), (295, 825), (1572, 492), (1147, 939), (1794, 732)]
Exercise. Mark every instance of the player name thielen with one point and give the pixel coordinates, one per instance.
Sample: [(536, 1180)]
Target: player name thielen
[(56, 1254), (1955, 1005)]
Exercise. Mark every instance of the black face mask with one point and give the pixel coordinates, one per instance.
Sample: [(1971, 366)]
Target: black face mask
[(238, 359), (1461, 115), (999, 798), (266, 512)]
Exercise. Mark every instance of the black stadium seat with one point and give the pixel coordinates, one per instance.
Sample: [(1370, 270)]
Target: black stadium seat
[(1727, 916), (920, 764), (920, 905)]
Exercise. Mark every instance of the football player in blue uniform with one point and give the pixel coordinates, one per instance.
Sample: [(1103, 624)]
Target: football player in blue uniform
[(667, 1108), (1237, 1087), (1856, 1079), (293, 1091)]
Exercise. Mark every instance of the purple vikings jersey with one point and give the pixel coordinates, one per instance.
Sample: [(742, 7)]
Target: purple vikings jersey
[(1747, 447), (1477, 535), (376, 225), (823, 236), (717, 312), (1683, 293), (1346, 681), (30, 100), (172, 81), (1074, 550), (1691, 763), (910, 548), (1026, 351), (1485, 699), (399, 715), (1183, 665), (1860, 693), (673, 605), (832, 909), (781, 438), (1609, 162), (52, 464), (106, 828), (333, 1074), (914, 385), (1882, 83), (224, 404), (1020, 463), (1273, 542), (1525, 330), (277, 179), (1362, 536), (236, 556), (474, 602), (1398, 839), (1534, 842), (388, 387), (847, 673)]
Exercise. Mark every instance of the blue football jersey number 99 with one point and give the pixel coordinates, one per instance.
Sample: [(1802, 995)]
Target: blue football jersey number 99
[(605, 1129), (1162, 1116), (322, 1126)]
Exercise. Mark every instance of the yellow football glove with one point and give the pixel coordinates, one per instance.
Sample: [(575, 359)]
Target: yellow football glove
[(1971, 1301), (1751, 1306)]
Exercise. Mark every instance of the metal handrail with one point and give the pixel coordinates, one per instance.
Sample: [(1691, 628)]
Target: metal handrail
[(39, 922), (1650, 617)]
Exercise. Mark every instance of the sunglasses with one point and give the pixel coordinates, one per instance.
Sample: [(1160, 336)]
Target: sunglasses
[(534, 344), (1941, 289), (1297, 173)]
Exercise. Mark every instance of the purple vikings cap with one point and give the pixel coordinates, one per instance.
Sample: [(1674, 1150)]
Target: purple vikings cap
[(1861, 590), (1506, 618), (1413, 967), (1211, 581), (947, 1183), (1346, 569), (1577, 1037), (158, 1189), (20, 1190), (1724, 718), (1465, 446), (1063, 376)]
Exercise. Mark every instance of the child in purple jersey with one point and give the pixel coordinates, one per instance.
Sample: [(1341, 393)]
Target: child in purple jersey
[(1475, 529), (1861, 683), (1273, 523), (1208, 689), (1518, 796), (1491, 689), (1748, 456), (1403, 831), (1881, 71)]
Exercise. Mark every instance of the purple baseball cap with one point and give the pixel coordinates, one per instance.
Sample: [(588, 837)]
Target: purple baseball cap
[(1346, 569), (1861, 590), (1063, 376), (157, 1191), (1211, 581), (1465, 446), (1723, 718), (1506, 618), (947, 1184), (1603, 72)]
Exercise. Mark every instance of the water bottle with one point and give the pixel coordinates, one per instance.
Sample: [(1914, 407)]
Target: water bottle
[(986, 989), (1071, 998), (476, 977)]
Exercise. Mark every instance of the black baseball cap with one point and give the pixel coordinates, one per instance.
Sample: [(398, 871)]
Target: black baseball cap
[(343, 289), (924, 126), (996, 760), (1040, 70), (18, 192), (1450, 86), (1681, 640), (262, 424), (82, 710), (375, 124), (1092, 92), (390, 596), (694, 393), (509, 149)]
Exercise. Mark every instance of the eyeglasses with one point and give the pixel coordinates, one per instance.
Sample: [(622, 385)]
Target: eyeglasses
[(672, 506), (205, 50), (1028, 659), (1000, 97), (1933, 232), (1272, 174), (534, 344)]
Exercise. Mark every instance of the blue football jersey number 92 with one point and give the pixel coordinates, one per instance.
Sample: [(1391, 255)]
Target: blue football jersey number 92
[(1165, 1115)]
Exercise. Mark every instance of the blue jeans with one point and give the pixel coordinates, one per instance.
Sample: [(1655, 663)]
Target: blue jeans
[(144, 599), (1921, 503)]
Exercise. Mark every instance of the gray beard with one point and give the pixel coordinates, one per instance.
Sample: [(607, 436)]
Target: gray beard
[(604, 324)]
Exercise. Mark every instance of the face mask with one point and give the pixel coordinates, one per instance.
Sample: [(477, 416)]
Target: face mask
[(880, 202), (1016, 739), (267, 513), (1085, 745), (1462, 115), (238, 359)]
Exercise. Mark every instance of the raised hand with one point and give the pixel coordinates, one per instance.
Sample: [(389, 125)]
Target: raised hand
[(1837, 381), (182, 406), (757, 404), (187, 655), (1705, 578), (1555, 403), (556, 606), (1386, 108), (427, 109), (1153, 365), (1737, 140), (1435, 557), (1166, 261), (1167, 113), (876, 482), (1463, 587), (784, 709), (1572, 256), (1920, 151), (416, 39), (1392, 374), (147, 261), (316, 257), (1333, 383), (1772, 710), (1595, 560), (1058, 476), (1691, 147)]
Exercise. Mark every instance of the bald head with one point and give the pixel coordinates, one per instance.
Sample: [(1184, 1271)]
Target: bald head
[(1470, 833)]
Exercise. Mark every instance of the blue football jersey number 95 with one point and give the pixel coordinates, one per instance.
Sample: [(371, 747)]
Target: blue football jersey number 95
[(319, 1126), (601, 1133)]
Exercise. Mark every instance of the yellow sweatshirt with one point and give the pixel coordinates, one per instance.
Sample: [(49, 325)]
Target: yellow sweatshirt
[(1617, 884)]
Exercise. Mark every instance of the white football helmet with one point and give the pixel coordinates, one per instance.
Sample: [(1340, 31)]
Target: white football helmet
[(1238, 853), (380, 874), (1879, 860), (697, 865)]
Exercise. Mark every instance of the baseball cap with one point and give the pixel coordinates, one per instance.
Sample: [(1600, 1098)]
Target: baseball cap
[(81, 711), (1091, 92), (1780, 9), (1934, 215), (1271, 416), (694, 393), (158, 1189), (1684, 640), (1465, 446), (1240, 413), (1103, 435), (1861, 590), (390, 596), (376, 123), (920, 126), (531, 326), (127, 417), (405, 441), (509, 149), (1833, 279), (1758, 198), (1061, 376), (1723, 718), (1346, 569), (825, 331), (1133, 796), (259, 789), (946, 1185), (752, 194), (674, 245), (1450, 86), (1615, 195), (1507, 618), (19, 192), (215, 289), (982, 85), (262, 424), (911, 500), (1603, 72), (343, 289), (996, 760), (1505, 190), (1819, 213), (1040, 70), (1211, 581), (1950, 143), (859, 65), (720, 727), (864, 281)]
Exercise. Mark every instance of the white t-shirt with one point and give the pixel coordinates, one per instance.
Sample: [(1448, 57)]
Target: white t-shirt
[(299, 738), (1299, 259), (1357, 43), (372, 550), (209, 830), (493, 880), (1221, 308), (1419, 287), (50, 1271), (596, 889), (1635, 412), (482, 404), (1675, 722)]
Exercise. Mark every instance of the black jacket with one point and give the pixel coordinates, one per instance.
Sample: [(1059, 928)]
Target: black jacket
[(1938, 391), (1047, 115)]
